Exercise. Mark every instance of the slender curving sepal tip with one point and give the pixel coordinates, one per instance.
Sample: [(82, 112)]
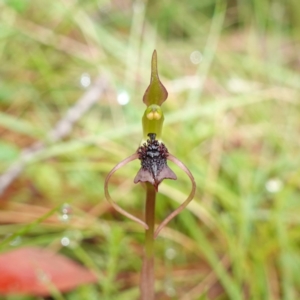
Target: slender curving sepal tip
[(186, 202), (110, 200)]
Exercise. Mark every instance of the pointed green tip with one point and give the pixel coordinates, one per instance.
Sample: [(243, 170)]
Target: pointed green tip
[(156, 93), (154, 73)]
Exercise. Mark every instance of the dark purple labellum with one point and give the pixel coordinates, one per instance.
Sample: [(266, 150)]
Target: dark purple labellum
[(153, 156)]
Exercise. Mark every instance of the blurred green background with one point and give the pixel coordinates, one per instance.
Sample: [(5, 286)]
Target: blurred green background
[(232, 72)]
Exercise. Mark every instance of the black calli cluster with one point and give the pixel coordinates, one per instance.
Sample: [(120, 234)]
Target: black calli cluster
[(153, 156)]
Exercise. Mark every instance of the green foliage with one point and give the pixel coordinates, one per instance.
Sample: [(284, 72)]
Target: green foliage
[(8, 152), (232, 116)]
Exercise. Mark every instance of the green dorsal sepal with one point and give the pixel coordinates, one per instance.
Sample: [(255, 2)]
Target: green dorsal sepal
[(156, 93)]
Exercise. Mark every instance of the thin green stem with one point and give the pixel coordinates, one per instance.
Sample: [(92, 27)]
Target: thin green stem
[(147, 276)]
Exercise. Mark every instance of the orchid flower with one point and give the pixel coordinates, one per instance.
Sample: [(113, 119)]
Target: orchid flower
[(152, 152), (153, 155)]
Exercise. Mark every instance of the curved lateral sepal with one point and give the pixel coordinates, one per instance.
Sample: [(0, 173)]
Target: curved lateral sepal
[(186, 202), (110, 200)]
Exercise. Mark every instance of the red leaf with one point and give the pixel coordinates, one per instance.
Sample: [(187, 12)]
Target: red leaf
[(34, 271)]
